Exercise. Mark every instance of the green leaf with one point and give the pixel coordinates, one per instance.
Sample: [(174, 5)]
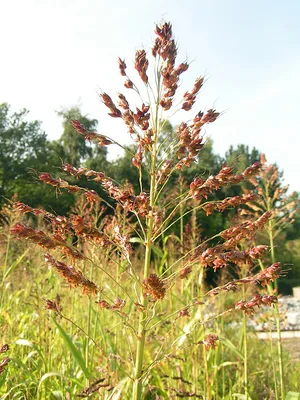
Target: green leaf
[(136, 240), (74, 351), (46, 376), (57, 395), (231, 346), (14, 265), (158, 251), (226, 363), (166, 238)]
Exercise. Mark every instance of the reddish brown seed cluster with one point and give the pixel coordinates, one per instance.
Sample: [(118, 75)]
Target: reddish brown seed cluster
[(184, 273), (122, 66), (124, 195), (114, 111), (200, 188), (4, 348), (118, 304), (189, 145), (248, 307), (52, 306), (183, 313), (164, 171), (62, 227), (24, 208), (145, 139), (3, 364), (34, 235), (252, 170), (91, 196), (189, 98), (123, 242), (78, 172), (216, 257), (227, 250), (122, 102), (165, 47), (164, 44), (59, 183), (37, 236), (158, 216), (88, 135), (210, 341), (128, 84), (139, 204), (141, 64), (154, 287), (269, 274), (94, 387), (263, 278), (84, 229), (74, 277), (138, 120), (229, 202), (246, 229), (190, 141), (142, 116), (103, 304)]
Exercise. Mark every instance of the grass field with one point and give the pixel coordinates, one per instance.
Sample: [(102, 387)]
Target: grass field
[(58, 355)]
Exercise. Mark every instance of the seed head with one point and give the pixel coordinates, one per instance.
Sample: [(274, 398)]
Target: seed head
[(4, 364), (141, 64), (4, 348), (122, 66), (210, 341), (154, 287)]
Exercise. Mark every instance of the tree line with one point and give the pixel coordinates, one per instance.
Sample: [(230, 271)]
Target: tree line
[(25, 151)]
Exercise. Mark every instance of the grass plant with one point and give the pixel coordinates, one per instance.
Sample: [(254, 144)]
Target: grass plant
[(131, 316)]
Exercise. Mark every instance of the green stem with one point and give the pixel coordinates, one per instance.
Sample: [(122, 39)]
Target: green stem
[(245, 352), (141, 335), (276, 309), (137, 386), (273, 366)]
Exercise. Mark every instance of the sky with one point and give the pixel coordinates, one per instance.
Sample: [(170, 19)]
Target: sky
[(62, 53)]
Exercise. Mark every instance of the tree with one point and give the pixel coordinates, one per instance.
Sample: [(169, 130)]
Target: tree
[(75, 149), (240, 157), (23, 147)]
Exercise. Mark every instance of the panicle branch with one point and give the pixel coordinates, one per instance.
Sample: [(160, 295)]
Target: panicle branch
[(200, 188), (123, 195), (248, 307), (75, 278), (37, 236), (263, 278)]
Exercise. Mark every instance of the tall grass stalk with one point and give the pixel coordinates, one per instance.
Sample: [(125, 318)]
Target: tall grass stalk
[(139, 220), (245, 351)]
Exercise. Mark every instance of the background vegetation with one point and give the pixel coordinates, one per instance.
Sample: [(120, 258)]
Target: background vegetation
[(26, 151)]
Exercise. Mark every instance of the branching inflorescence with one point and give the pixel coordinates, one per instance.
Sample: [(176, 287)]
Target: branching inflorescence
[(145, 124)]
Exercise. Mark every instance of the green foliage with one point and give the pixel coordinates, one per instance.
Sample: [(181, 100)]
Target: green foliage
[(45, 362), (74, 147), (23, 148), (25, 151)]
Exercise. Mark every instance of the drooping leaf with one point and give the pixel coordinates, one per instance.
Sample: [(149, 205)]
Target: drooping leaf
[(73, 350)]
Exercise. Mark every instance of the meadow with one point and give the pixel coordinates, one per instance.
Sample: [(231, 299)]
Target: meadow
[(59, 354)]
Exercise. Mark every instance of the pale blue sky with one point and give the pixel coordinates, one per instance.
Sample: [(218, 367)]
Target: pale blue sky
[(59, 53)]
